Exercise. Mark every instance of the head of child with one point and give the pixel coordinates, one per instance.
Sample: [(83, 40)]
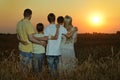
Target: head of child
[(39, 27), (51, 18), (60, 20)]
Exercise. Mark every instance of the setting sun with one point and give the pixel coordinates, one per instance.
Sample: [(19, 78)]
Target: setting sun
[(96, 19), (87, 15)]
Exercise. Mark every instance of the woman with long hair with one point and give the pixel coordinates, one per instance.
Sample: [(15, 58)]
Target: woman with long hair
[(68, 60)]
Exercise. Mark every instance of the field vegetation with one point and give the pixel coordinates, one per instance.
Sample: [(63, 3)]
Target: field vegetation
[(98, 59)]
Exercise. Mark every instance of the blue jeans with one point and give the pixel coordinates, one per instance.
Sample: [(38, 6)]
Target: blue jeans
[(25, 60), (38, 60), (53, 62)]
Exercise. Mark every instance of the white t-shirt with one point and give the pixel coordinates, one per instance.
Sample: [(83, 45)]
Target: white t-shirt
[(37, 48), (53, 46)]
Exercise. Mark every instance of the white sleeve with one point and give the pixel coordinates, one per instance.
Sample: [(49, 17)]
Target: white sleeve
[(64, 31), (46, 32), (74, 35)]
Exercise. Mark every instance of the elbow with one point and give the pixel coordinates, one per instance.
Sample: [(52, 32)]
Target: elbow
[(68, 36), (56, 37), (30, 38)]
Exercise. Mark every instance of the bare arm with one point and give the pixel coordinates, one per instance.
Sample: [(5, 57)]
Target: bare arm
[(20, 40), (32, 39), (57, 33), (68, 35), (45, 38)]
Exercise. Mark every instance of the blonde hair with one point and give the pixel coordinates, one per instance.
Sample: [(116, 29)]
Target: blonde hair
[(68, 21), (68, 25)]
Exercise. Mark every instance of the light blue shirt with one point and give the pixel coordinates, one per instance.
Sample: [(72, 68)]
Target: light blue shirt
[(53, 46)]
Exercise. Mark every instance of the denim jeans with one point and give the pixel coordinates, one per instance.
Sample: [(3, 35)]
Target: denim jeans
[(38, 60), (25, 60), (53, 62)]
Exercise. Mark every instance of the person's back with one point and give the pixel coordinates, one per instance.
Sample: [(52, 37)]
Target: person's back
[(63, 33), (68, 45), (52, 50), (38, 50), (68, 59), (52, 47), (51, 31), (24, 27)]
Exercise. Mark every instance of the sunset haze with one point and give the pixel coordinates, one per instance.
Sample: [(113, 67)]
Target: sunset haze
[(82, 12)]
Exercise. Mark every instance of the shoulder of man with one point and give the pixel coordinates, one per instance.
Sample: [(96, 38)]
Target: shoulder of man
[(19, 24)]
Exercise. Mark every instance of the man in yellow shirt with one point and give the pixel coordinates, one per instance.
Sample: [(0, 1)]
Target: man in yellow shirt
[(24, 31)]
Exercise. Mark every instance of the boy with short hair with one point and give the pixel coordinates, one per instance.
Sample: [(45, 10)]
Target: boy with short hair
[(38, 50)]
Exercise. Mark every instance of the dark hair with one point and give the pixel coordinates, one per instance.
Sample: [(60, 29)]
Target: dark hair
[(27, 12), (60, 19), (39, 27), (51, 17)]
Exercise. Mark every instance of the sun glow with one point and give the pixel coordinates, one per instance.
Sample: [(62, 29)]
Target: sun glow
[(96, 19)]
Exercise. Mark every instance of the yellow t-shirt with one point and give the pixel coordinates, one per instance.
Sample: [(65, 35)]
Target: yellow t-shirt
[(24, 28)]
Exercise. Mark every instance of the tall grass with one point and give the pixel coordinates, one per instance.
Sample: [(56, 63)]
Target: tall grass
[(90, 68)]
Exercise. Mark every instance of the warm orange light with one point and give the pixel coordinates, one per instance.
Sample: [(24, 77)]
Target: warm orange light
[(96, 19)]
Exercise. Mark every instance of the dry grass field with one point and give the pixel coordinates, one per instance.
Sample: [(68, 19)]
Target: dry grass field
[(98, 56)]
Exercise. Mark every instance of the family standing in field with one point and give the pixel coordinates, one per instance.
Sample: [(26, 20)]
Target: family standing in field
[(55, 43)]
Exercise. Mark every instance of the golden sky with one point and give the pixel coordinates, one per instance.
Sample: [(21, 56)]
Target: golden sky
[(82, 12)]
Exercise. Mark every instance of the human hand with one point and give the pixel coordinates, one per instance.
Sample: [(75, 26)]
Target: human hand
[(43, 43), (75, 29), (24, 42)]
